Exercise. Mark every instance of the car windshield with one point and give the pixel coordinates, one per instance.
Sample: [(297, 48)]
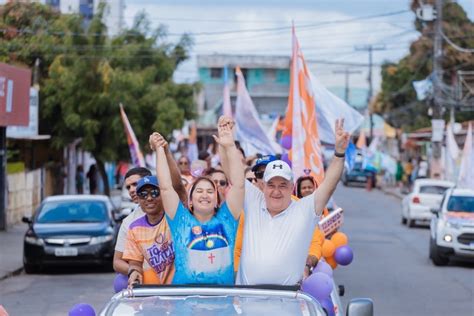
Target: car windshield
[(72, 212), (433, 189), (461, 204), (214, 305)]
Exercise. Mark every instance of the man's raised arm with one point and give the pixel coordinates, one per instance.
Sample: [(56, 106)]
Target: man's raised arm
[(335, 169)]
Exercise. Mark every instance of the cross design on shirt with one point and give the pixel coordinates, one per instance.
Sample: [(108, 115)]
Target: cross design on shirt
[(211, 257)]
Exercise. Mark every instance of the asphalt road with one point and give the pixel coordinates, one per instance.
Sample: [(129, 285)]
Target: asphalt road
[(391, 266), (391, 263)]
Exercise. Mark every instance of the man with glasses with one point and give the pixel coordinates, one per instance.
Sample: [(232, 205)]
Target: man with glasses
[(149, 248), (131, 179), (259, 169)]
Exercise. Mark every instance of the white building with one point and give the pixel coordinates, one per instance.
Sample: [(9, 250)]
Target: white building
[(113, 17)]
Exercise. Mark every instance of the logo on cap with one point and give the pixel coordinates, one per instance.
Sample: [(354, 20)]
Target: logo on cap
[(278, 166)]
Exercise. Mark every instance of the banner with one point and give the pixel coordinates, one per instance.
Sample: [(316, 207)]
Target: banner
[(133, 146), (300, 121), (466, 171), (253, 138)]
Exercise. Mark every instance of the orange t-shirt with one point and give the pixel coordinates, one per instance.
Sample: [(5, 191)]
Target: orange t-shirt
[(152, 245)]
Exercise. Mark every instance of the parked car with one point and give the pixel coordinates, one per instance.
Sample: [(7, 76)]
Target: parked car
[(452, 227), (222, 300), (426, 194), (357, 175), (70, 229)]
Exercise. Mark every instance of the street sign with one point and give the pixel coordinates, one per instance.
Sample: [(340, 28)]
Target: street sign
[(14, 95), (32, 129)]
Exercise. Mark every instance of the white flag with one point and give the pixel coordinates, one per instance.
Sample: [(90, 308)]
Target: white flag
[(451, 155), (250, 132), (466, 172), (423, 88), (330, 107)]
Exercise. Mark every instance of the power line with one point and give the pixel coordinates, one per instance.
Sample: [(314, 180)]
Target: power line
[(455, 46), (23, 31)]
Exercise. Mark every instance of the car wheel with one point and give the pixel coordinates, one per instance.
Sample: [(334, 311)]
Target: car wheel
[(30, 268), (404, 220), (411, 222), (435, 256)]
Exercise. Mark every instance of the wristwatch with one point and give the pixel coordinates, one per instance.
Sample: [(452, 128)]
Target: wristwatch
[(339, 155), (130, 271)]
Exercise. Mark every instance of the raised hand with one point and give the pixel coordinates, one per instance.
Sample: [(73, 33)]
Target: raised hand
[(156, 141), (342, 137), (225, 136)]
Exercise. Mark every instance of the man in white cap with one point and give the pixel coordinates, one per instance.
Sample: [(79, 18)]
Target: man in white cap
[(278, 230)]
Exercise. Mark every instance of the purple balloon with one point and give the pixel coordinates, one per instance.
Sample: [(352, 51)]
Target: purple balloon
[(120, 282), (82, 310), (286, 141), (319, 285), (344, 255), (323, 267), (286, 159), (328, 305)]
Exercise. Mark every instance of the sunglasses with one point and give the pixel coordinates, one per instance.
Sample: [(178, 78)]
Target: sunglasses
[(221, 183), (184, 163), (252, 179), (259, 174), (144, 194)]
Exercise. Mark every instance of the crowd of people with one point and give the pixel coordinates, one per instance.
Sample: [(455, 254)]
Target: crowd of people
[(216, 220)]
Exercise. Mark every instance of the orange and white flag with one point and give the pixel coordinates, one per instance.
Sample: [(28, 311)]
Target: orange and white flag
[(300, 120)]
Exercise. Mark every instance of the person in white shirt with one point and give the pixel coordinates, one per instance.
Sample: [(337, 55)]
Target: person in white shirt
[(131, 179), (278, 230)]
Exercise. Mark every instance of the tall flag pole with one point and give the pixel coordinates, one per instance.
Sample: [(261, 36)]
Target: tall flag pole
[(300, 120), (133, 146), (226, 106)]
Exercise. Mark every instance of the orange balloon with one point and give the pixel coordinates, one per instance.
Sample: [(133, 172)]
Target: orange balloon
[(332, 262), (328, 248), (339, 239)]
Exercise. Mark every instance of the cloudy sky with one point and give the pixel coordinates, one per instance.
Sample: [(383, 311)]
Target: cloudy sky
[(328, 30)]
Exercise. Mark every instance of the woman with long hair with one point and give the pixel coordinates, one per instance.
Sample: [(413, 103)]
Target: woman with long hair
[(203, 232)]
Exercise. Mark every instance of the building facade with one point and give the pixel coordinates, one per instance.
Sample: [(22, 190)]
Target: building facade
[(267, 79), (113, 17)]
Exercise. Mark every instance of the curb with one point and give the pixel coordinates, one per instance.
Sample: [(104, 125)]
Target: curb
[(11, 274), (397, 195)]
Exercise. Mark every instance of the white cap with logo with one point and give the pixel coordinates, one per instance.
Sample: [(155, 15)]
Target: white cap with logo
[(278, 168)]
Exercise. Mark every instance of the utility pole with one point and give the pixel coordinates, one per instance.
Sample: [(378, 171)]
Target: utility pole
[(347, 73), (437, 73), (370, 48)]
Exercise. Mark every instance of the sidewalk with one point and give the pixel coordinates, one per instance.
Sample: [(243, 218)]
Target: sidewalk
[(11, 250)]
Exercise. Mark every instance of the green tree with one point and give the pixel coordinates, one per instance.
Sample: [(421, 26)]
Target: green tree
[(92, 75), (397, 98)]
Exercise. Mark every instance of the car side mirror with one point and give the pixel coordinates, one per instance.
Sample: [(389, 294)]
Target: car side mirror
[(118, 216), (360, 307), (26, 220), (435, 211)]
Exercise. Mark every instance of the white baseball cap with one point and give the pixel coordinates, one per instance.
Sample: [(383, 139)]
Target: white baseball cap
[(278, 168)]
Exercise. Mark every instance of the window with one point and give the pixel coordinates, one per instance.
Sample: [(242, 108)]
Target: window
[(433, 189), (461, 204), (270, 75), (73, 211), (216, 73)]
